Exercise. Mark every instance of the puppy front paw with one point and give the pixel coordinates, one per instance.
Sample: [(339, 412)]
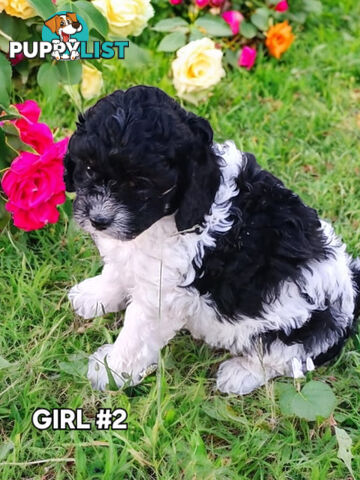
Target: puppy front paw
[(122, 373), (91, 298)]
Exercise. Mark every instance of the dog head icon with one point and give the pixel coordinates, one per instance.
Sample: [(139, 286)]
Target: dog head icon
[(64, 25)]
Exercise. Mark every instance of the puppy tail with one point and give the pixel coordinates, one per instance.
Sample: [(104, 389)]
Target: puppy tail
[(355, 268)]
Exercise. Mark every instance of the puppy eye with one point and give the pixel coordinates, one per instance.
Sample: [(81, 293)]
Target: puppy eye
[(89, 171)]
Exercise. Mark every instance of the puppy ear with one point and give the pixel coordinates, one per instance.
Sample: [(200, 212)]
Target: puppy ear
[(72, 16), (200, 127), (201, 176), (51, 23), (69, 167)]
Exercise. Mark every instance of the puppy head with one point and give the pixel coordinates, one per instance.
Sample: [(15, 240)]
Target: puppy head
[(137, 156)]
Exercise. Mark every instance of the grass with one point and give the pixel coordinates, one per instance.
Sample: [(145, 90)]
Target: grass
[(300, 116)]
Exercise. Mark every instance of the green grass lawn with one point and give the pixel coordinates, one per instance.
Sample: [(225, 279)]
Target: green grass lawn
[(301, 118)]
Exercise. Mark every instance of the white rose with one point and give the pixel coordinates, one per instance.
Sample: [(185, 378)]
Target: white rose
[(197, 67), (91, 83), (125, 17)]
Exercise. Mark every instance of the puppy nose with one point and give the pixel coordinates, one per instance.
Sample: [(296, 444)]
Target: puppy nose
[(99, 222), (76, 24)]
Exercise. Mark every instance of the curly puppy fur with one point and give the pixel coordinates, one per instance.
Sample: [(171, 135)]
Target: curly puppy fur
[(197, 235)]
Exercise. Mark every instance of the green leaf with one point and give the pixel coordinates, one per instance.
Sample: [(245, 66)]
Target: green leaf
[(260, 18), (286, 393), (4, 44), (23, 69), (76, 368), (92, 16), (5, 81), (344, 452), (172, 42), (231, 58), (247, 29), (195, 34), (48, 79), (215, 26), (12, 27), (6, 157), (4, 363), (64, 5), (112, 384), (45, 8), (316, 399), (13, 141), (312, 6), (69, 72), (175, 24), (5, 449)]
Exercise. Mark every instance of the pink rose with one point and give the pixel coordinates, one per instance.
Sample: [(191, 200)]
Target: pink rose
[(175, 2), (34, 185), (233, 18), (202, 3), (37, 135), (247, 57), (217, 3), (282, 6)]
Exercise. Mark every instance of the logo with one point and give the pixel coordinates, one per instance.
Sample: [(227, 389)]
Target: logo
[(65, 36)]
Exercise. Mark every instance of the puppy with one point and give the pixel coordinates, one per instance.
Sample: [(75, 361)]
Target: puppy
[(196, 235)]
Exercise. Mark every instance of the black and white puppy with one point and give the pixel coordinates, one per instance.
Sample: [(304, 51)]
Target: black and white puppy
[(197, 235)]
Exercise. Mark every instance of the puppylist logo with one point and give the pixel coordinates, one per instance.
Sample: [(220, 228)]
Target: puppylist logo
[(65, 36)]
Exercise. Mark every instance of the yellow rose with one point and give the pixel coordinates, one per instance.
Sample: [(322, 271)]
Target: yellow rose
[(17, 8), (91, 83), (125, 17), (197, 67)]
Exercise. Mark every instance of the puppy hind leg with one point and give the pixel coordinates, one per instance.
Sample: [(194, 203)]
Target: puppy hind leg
[(242, 375)]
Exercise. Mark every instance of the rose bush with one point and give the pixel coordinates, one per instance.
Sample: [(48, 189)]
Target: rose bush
[(240, 28)]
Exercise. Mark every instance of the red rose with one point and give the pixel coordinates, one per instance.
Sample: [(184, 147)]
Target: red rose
[(19, 57), (35, 186)]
